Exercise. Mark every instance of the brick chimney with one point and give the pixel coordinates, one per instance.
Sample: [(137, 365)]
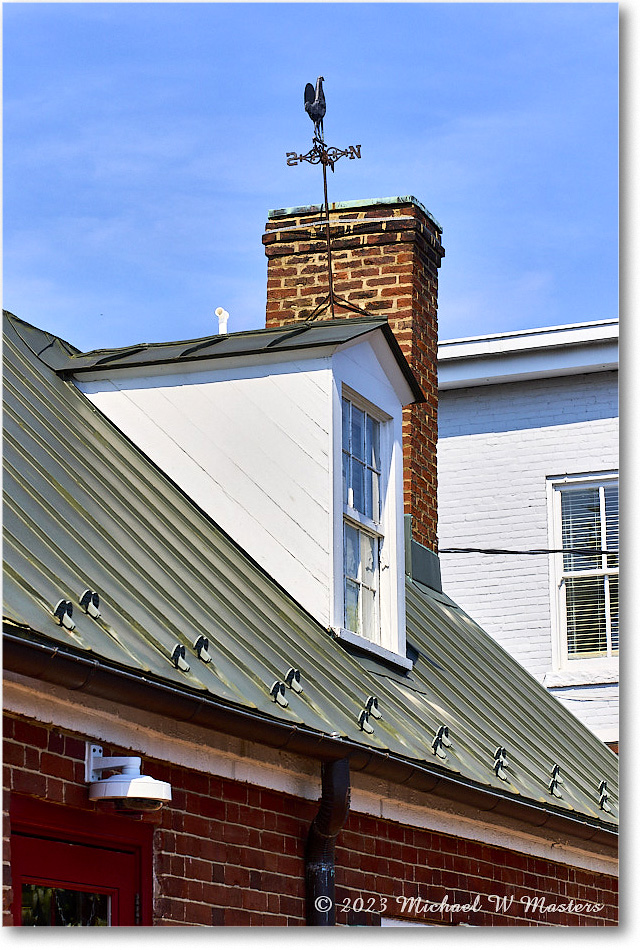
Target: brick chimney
[(385, 256)]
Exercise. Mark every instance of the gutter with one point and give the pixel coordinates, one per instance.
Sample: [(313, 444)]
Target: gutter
[(60, 666)]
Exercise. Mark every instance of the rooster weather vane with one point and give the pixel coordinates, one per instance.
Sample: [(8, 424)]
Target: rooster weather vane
[(315, 106), (321, 154)]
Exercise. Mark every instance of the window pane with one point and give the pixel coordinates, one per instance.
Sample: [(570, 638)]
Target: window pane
[(351, 552), (346, 477), (357, 446), (367, 507), (585, 616), (372, 495), (358, 486), (612, 523), (352, 607), (614, 598), (370, 625), (369, 567), (376, 512), (581, 528), (56, 907), (372, 443), (361, 583), (345, 425)]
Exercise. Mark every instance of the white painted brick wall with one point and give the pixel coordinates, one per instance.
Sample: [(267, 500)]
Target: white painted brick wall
[(595, 706), (497, 446)]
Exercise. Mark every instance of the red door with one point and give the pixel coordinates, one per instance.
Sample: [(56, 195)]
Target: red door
[(78, 869)]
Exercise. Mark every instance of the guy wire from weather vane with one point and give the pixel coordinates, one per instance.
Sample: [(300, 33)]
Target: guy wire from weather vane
[(321, 154)]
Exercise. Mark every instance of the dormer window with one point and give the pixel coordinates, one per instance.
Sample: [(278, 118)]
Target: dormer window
[(369, 596), (362, 535), (361, 444), (361, 582)]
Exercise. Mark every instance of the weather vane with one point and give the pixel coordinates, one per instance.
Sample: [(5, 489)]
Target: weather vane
[(321, 154)]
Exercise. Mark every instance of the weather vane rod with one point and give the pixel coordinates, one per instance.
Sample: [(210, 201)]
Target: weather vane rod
[(321, 154)]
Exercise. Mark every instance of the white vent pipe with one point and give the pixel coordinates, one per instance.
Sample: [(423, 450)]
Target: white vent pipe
[(223, 317)]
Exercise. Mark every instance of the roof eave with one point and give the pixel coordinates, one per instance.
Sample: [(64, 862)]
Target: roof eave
[(403, 363), (54, 664)]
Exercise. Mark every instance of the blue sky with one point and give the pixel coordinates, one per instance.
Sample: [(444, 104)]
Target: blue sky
[(145, 143)]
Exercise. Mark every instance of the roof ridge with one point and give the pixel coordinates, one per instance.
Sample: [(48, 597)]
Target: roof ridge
[(287, 327)]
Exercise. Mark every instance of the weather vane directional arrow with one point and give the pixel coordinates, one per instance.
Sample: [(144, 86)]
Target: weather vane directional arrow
[(321, 154)]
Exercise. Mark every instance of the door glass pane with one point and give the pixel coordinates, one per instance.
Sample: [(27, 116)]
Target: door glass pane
[(56, 907)]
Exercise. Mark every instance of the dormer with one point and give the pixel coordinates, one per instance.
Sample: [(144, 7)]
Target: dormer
[(291, 440)]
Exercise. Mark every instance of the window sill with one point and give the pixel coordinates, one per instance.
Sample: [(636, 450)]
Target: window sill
[(580, 678), (374, 648), (351, 514)]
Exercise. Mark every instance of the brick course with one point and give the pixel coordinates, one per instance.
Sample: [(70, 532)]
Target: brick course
[(228, 853), (385, 260)]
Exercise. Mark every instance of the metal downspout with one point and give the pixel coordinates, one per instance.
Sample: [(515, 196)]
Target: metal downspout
[(319, 848)]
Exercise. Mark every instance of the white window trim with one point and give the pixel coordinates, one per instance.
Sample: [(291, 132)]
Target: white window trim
[(358, 641), (389, 529), (561, 660)]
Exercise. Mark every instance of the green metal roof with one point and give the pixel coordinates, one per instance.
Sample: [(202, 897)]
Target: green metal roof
[(64, 358), (84, 508)]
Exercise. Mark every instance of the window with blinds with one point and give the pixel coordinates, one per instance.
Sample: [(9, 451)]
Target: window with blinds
[(589, 582)]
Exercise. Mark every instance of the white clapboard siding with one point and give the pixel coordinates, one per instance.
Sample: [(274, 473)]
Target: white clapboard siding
[(253, 450)]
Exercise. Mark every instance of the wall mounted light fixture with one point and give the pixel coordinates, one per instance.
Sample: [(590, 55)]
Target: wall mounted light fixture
[(128, 789)]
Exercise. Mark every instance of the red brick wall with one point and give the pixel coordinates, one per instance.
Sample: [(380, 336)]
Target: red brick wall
[(379, 858), (228, 853), (385, 260)]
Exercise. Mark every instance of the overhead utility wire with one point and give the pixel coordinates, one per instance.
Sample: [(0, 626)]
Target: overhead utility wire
[(584, 551)]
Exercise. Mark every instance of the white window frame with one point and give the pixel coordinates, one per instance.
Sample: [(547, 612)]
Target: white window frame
[(388, 531), (363, 524), (561, 659)]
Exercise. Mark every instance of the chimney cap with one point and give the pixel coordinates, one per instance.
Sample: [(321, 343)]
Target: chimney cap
[(360, 203)]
